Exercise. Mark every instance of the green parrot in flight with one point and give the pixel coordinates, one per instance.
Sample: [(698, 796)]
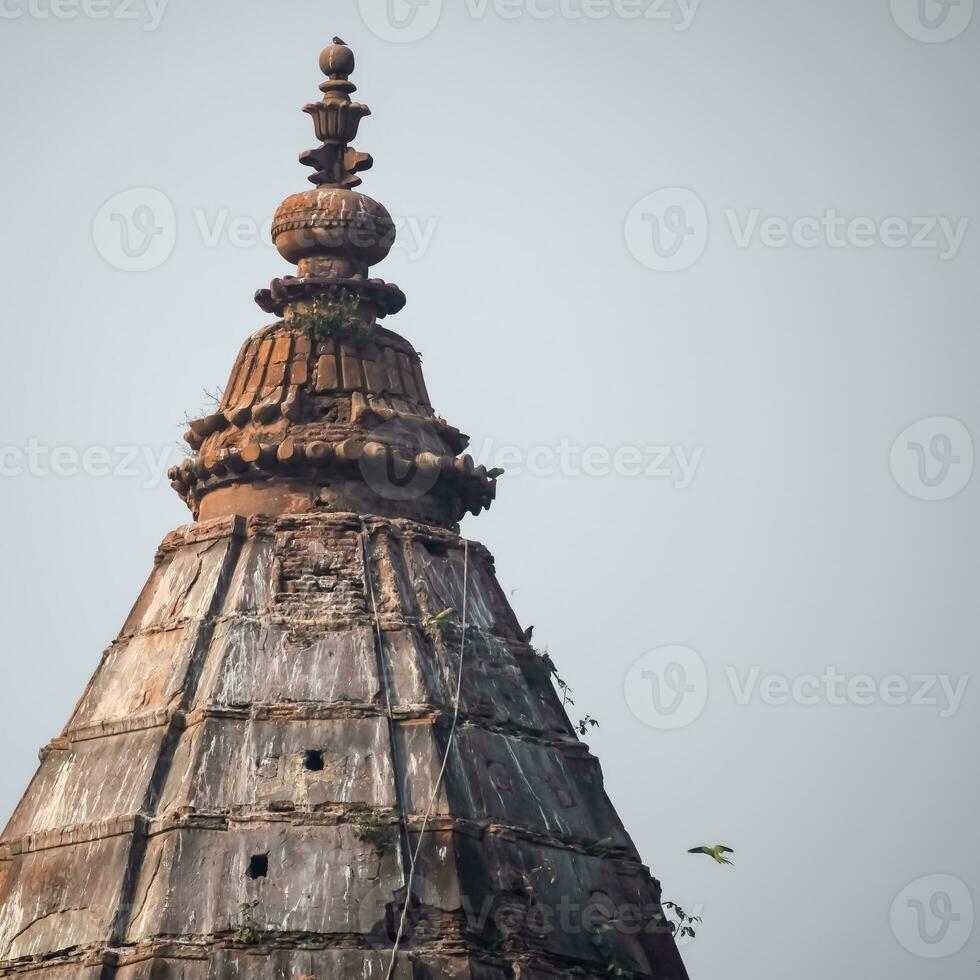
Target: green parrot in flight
[(715, 852)]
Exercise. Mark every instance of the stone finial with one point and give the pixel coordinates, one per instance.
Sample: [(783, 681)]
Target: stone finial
[(333, 233), (336, 120)]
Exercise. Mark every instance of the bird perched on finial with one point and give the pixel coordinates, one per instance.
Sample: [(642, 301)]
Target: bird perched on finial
[(337, 61), (715, 852)]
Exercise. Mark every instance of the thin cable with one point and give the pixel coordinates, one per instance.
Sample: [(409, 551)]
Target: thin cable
[(442, 771), (365, 537)]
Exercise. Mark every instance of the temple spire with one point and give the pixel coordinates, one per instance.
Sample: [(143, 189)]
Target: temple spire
[(322, 720)]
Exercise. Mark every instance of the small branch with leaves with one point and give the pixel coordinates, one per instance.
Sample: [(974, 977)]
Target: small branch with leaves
[(682, 925), (566, 691), (586, 724)]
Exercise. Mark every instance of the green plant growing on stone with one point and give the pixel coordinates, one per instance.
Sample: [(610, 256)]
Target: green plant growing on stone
[(331, 317), (248, 933), (371, 828)]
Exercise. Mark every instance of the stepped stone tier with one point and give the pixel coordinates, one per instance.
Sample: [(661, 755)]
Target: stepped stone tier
[(270, 776)]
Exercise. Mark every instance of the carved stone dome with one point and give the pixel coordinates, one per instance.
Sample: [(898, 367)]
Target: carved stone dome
[(350, 230)]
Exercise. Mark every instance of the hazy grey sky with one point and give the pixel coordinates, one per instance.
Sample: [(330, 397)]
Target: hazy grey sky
[(735, 240)]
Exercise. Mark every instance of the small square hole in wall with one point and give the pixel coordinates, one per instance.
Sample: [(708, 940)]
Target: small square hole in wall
[(313, 761), (258, 866)]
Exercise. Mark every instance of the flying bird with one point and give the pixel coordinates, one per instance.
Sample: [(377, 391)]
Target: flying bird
[(715, 852)]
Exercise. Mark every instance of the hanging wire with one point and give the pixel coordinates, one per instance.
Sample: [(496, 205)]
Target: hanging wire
[(442, 772), (365, 538)]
